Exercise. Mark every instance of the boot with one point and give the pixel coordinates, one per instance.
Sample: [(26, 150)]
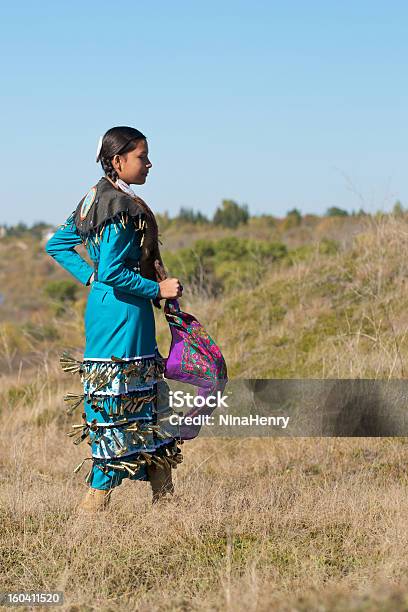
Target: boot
[(161, 482), (95, 500)]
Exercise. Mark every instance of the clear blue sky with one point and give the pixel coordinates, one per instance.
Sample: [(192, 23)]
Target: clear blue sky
[(274, 104)]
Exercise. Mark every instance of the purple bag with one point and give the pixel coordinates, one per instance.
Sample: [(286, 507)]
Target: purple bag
[(194, 358)]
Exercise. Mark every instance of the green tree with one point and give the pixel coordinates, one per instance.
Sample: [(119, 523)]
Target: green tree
[(293, 219), (189, 215), (38, 228), (17, 230), (334, 211), (295, 215), (398, 209), (231, 214)]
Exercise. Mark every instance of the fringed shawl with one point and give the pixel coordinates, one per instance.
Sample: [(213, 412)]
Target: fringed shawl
[(105, 203)]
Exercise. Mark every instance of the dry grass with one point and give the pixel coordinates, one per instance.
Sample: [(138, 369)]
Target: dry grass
[(257, 524)]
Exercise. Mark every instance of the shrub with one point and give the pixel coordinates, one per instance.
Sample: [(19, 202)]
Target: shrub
[(266, 251), (63, 293), (210, 267), (61, 290), (236, 249), (328, 246), (195, 267), (40, 332)]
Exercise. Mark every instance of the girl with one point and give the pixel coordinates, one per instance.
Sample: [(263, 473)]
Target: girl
[(122, 369)]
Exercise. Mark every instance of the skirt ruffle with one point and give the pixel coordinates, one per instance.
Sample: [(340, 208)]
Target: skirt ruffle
[(124, 405)]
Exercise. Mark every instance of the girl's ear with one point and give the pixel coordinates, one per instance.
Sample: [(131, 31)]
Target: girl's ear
[(116, 163)]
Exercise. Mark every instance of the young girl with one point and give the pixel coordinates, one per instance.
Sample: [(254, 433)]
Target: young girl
[(122, 369)]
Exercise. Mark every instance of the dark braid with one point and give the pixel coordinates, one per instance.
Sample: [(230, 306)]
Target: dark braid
[(109, 169)]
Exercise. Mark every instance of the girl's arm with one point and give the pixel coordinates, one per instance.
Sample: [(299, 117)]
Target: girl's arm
[(115, 247), (61, 246)]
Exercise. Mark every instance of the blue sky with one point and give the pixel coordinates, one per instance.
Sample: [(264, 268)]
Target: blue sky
[(274, 104)]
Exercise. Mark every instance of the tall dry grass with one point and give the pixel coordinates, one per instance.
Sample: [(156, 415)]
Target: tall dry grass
[(256, 524)]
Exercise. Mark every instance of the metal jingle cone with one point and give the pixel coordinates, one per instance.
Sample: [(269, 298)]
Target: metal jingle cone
[(78, 467), (171, 461), (75, 400), (146, 457), (158, 461), (116, 439), (69, 363), (131, 472), (82, 437), (116, 467)]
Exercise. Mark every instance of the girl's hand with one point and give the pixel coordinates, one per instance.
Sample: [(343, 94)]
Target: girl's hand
[(170, 289)]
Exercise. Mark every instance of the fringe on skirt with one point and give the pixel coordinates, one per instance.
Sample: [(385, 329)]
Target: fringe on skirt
[(126, 403)]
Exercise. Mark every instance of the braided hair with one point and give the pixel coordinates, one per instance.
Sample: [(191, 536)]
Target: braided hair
[(117, 141)]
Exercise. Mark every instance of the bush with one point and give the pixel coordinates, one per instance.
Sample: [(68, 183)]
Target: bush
[(40, 333), (194, 266), (236, 249), (230, 249), (232, 276), (328, 246), (210, 267), (63, 293), (266, 251)]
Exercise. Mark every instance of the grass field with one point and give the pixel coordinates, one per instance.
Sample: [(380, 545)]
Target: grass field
[(256, 524)]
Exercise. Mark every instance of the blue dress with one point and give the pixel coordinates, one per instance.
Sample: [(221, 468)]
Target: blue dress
[(125, 394)]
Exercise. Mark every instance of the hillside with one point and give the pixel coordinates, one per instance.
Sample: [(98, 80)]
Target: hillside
[(327, 305)]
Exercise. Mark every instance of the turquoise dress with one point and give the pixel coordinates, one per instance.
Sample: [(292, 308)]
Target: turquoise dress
[(125, 394)]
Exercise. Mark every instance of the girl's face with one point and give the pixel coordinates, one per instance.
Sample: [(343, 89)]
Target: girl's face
[(133, 167)]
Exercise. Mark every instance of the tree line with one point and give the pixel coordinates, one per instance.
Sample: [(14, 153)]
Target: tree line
[(230, 214)]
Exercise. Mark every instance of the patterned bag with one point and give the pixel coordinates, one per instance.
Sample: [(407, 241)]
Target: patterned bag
[(194, 358)]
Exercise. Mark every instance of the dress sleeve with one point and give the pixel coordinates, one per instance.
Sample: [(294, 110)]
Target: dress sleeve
[(61, 246), (115, 247)]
